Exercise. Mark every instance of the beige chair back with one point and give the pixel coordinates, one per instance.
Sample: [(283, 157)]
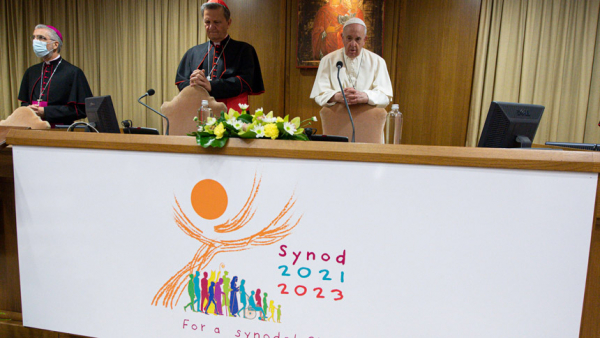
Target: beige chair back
[(25, 117), (369, 122), (181, 110)]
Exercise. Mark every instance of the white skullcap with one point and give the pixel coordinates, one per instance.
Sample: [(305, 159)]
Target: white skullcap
[(355, 20)]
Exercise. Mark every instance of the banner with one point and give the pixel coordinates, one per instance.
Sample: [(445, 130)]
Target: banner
[(143, 244)]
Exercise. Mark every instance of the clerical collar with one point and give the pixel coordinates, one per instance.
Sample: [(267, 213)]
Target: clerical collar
[(51, 61), (220, 42)]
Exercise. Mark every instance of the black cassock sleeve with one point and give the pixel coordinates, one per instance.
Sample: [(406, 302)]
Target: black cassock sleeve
[(185, 69), (25, 90), (246, 75), (74, 108)]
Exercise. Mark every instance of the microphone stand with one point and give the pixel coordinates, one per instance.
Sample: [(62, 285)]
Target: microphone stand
[(164, 117), (339, 66)]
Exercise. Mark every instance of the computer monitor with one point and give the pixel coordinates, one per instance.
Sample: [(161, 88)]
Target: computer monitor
[(510, 125), (101, 114)]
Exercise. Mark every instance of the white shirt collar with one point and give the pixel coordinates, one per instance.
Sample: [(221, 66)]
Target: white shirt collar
[(56, 58), (219, 43)]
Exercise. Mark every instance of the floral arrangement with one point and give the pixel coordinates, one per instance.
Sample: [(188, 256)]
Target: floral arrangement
[(214, 132)]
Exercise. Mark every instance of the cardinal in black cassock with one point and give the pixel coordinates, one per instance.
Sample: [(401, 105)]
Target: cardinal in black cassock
[(231, 67), (55, 89)]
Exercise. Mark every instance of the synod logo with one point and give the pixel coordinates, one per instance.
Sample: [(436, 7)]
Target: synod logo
[(222, 292)]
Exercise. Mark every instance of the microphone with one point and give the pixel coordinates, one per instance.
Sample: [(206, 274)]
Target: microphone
[(339, 66), (151, 92)]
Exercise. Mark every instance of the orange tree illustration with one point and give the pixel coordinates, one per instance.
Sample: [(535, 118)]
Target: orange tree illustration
[(279, 228)]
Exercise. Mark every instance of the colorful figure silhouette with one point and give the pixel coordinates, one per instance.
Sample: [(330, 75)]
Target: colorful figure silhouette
[(258, 299), (191, 292), (265, 303), (204, 285), (211, 296), (218, 296), (253, 306), (272, 309), (233, 304), (279, 314), (197, 290), (213, 279), (243, 296), (226, 290)]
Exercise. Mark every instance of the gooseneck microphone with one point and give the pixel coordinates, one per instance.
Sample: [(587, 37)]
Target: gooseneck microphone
[(339, 66), (151, 92)]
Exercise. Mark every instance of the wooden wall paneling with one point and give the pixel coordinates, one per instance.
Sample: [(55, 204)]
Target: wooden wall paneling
[(299, 80), (10, 290), (261, 24), (434, 70), (590, 325)]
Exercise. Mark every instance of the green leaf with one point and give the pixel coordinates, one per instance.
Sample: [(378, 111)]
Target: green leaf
[(247, 134), (300, 137), (246, 118), (280, 127), (212, 141), (219, 143)]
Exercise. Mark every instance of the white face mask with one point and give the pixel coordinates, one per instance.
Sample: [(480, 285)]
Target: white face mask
[(40, 49)]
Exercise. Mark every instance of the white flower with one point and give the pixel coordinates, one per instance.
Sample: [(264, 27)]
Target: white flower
[(238, 125), (314, 118), (210, 121), (269, 120), (243, 106), (289, 128), (232, 120), (259, 130), (200, 129), (259, 110)]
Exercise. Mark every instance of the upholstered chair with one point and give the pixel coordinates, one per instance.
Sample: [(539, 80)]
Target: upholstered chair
[(369, 122), (181, 110), (25, 117)]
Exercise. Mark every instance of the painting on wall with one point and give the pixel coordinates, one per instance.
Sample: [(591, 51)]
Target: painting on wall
[(320, 24)]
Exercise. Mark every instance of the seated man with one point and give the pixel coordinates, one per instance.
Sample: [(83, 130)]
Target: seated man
[(55, 89), (226, 68), (364, 76)]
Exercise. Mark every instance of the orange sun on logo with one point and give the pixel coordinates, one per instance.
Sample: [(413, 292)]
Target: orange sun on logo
[(209, 199)]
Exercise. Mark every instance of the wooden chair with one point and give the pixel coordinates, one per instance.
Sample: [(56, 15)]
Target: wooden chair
[(25, 117), (181, 110), (369, 122)]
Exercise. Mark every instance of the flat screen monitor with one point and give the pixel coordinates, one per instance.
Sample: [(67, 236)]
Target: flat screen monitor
[(510, 125), (101, 114)]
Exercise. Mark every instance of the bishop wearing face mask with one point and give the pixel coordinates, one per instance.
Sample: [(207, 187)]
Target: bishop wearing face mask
[(55, 89)]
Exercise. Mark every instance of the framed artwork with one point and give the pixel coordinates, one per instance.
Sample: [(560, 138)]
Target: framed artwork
[(320, 24)]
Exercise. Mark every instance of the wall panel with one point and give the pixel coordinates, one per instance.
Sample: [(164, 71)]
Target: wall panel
[(434, 70)]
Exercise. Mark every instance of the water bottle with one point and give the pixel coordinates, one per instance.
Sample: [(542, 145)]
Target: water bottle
[(393, 126), (204, 112)]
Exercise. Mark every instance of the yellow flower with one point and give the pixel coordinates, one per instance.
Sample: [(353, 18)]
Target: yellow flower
[(279, 119), (219, 131), (271, 131)]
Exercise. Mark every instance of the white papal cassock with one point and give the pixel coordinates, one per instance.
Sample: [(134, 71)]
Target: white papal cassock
[(366, 72)]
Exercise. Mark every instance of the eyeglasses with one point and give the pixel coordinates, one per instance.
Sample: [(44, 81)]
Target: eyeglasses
[(40, 37)]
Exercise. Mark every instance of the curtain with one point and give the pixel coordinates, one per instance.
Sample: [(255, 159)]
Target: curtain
[(124, 47), (543, 52)]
